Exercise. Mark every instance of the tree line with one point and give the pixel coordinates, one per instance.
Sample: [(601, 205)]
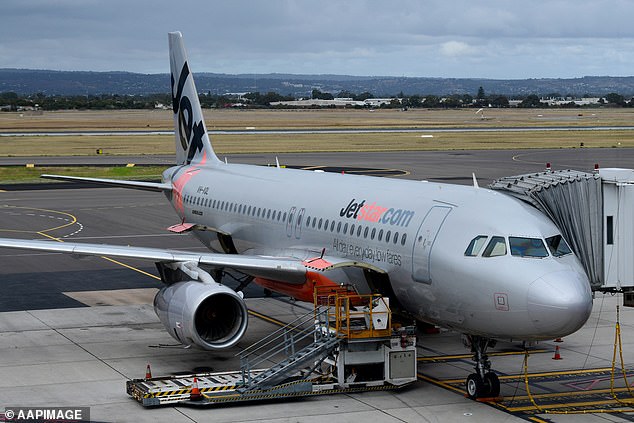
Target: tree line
[(10, 101)]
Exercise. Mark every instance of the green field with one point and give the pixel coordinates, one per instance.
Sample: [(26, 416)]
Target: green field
[(23, 174)]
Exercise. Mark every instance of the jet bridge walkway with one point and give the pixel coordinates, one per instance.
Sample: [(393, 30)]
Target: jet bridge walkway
[(594, 213), (348, 343)]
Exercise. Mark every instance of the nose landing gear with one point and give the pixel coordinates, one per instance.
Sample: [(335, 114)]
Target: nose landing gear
[(483, 383)]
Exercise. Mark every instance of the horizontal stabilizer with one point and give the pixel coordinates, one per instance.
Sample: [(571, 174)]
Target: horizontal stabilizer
[(180, 228), (146, 186)]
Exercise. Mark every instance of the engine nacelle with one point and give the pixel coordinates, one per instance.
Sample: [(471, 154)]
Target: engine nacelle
[(210, 316)]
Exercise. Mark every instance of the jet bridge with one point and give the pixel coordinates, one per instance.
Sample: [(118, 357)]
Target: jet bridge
[(594, 212)]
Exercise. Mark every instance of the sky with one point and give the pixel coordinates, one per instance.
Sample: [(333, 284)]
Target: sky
[(500, 39)]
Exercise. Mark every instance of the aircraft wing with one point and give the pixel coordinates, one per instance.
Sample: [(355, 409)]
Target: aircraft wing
[(146, 186), (290, 270)]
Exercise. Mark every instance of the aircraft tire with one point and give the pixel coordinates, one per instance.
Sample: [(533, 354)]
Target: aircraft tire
[(475, 386), (492, 384)]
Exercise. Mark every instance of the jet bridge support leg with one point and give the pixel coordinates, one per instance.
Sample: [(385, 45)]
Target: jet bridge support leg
[(483, 383)]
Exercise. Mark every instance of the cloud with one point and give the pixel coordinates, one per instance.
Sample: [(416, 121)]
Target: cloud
[(456, 48), (461, 38)]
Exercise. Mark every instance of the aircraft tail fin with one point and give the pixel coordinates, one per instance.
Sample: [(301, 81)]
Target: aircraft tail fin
[(192, 141)]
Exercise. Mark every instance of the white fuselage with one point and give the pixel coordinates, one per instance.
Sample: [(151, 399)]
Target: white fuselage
[(417, 232)]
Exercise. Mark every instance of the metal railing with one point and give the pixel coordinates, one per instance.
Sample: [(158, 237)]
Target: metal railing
[(285, 342), (352, 315)]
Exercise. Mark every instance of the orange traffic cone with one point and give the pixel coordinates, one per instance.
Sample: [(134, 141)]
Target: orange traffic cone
[(148, 372), (557, 355), (195, 394), (558, 340)]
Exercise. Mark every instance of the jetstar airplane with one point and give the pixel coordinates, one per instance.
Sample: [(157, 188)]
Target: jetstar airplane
[(461, 257)]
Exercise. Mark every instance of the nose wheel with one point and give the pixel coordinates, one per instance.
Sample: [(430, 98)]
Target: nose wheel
[(483, 383)]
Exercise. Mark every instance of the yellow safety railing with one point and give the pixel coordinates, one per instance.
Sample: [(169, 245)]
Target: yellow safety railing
[(352, 315)]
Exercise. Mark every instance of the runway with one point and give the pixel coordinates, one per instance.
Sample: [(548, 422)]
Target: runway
[(439, 166), (72, 331), (431, 130)]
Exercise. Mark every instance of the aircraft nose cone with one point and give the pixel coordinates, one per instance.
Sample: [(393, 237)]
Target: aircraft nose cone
[(559, 303)]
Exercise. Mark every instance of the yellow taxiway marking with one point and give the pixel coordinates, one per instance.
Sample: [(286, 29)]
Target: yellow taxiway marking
[(107, 258), (546, 407), (544, 374), (73, 219), (469, 356), (440, 383), (557, 408), (130, 267), (570, 394), (267, 318)]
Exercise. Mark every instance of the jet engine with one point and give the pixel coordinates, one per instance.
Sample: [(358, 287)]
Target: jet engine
[(207, 315)]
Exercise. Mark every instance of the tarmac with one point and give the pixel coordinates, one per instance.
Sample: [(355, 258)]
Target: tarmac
[(73, 331)]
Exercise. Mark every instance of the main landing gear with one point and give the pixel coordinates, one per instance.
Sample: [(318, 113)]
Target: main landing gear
[(483, 383)]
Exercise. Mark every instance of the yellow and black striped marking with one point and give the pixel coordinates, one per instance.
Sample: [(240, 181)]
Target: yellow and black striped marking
[(264, 395), (188, 391), (584, 391)]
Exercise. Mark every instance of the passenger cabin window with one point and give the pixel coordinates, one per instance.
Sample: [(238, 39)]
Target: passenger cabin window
[(558, 246), (475, 246), (527, 247), (496, 247)]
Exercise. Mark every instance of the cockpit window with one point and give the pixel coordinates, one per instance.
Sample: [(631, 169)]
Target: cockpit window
[(475, 246), (558, 246), (527, 247), (496, 247)]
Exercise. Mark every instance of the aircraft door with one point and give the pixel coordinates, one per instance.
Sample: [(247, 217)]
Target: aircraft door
[(289, 222), (421, 254), (298, 224)]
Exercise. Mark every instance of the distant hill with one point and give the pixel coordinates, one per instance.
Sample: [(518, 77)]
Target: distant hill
[(25, 81)]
